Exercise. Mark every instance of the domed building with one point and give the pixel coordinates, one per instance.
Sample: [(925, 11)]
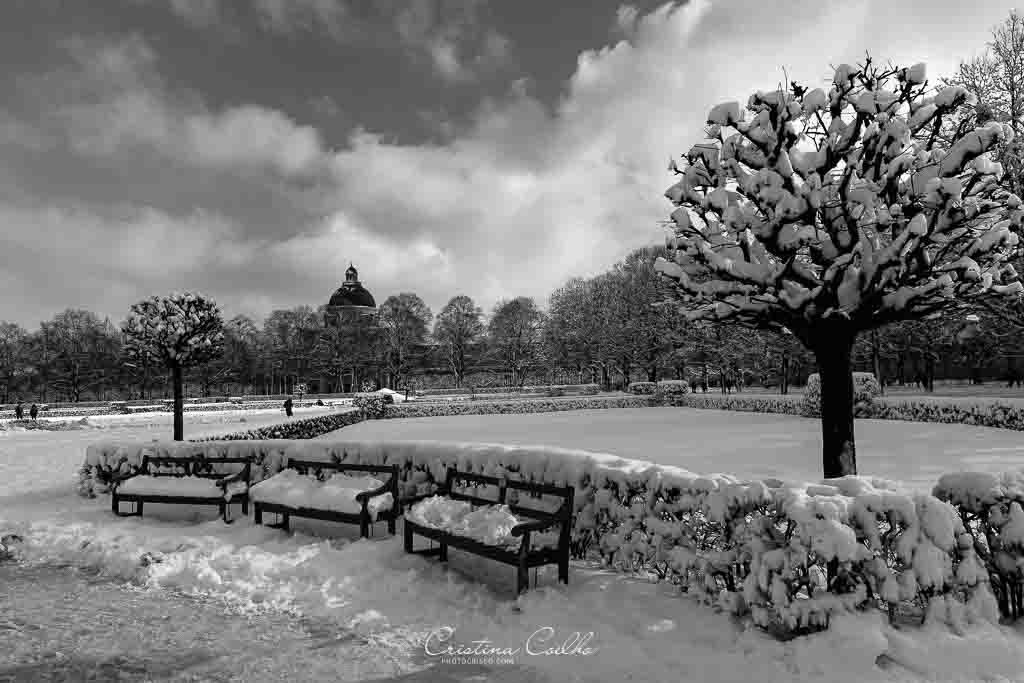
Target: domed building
[(350, 303), (350, 317)]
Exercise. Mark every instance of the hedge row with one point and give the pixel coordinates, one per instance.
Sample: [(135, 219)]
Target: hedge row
[(309, 428), (547, 405), (539, 389), (788, 555)]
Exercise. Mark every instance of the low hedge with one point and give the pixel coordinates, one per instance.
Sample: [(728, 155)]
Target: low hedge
[(531, 389), (309, 428), (786, 555), (543, 405), (865, 390), (748, 403)]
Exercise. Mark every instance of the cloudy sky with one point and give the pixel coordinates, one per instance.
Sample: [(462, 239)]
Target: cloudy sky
[(250, 149)]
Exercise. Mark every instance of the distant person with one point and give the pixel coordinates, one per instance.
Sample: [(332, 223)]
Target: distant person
[(288, 406), (33, 412), (19, 411)]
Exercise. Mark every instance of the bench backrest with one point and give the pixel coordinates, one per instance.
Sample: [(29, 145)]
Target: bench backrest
[(504, 484), (186, 466), (320, 467)]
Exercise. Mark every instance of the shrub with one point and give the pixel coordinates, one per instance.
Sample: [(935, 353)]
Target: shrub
[(865, 390), (372, 405), (310, 428), (673, 387), (642, 387)]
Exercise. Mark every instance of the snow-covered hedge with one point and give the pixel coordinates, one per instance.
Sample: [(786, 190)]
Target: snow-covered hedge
[(865, 390), (998, 415), (673, 387), (541, 388), (789, 554), (309, 428), (748, 403), (642, 387), (990, 508), (542, 405)]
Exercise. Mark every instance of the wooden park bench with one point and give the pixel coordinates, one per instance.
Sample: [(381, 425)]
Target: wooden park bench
[(184, 480), (351, 505), (522, 557)]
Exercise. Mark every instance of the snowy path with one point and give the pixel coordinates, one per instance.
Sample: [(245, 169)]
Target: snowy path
[(745, 444)]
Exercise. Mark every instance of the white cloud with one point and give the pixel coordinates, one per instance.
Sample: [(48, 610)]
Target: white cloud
[(526, 198)]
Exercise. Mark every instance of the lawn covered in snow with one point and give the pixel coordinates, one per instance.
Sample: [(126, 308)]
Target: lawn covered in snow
[(753, 445), (375, 606)]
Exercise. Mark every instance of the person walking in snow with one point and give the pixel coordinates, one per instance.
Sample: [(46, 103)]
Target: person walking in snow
[(33, 412), (288, 406), (19, 411)]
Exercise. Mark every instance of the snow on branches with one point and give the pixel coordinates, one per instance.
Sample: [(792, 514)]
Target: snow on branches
[(181, 330), (843, 205)]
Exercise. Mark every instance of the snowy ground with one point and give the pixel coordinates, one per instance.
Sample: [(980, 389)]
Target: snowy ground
[(371, 606), (745, 444)]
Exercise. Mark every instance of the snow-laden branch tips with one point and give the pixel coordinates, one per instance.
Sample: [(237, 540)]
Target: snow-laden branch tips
[(845, 207), (181, 330)]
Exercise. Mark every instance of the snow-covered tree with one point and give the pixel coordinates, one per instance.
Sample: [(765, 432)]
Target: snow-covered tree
[(831, 213), (181, 330)]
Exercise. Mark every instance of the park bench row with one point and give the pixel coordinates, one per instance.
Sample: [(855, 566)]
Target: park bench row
[(355, 500)]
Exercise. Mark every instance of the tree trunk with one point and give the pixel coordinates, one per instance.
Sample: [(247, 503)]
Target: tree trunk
[(876, 359), (784, 387), (179, 408), (839, 455)]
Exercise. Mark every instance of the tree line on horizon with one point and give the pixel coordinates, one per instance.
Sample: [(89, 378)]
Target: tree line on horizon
[(608, 330)]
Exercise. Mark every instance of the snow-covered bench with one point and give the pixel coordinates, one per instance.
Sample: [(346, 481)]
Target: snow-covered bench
[(493, 528), (323, 490), (186, 481)]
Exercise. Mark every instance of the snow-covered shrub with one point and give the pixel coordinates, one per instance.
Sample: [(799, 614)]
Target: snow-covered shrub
[(865, 390), (642, 387), (673, 387), (991, 509), (372, 405)]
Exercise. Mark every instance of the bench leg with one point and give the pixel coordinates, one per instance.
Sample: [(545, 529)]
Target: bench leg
[(138, 508), (224, 512), (257, 512), (113, 504), (408, 538), (563, 568), (364, 527), (284, 521), (442, 552), (245, 507), (391, 526), (522, 578)]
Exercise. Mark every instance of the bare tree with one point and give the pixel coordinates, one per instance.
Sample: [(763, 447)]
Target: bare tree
[(458, 327)]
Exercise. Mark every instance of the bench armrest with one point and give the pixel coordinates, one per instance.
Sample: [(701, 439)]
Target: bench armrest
[(379, 491), (405, 502), (117, 479), (241, 475), (535, 525)]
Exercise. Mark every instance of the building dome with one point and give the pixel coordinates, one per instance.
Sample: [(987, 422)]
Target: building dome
[(352, 293)]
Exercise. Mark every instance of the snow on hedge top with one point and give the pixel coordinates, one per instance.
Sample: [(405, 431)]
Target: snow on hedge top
[(827, 199)]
